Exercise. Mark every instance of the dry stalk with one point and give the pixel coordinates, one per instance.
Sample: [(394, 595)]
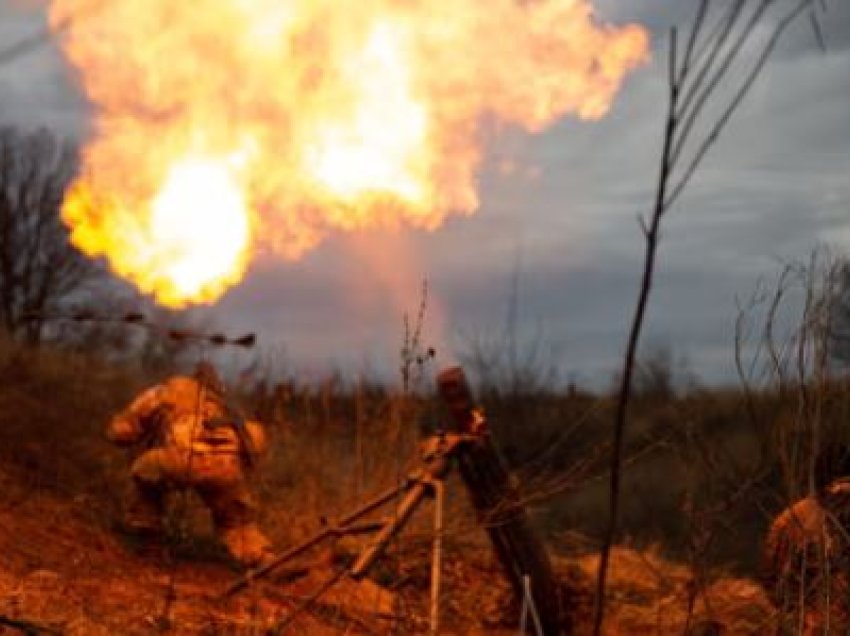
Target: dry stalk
[(694, 82)]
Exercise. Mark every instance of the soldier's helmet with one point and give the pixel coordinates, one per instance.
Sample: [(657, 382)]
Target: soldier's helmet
[(205, 373)]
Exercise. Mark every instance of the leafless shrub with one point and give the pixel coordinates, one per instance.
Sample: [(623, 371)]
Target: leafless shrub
[(785, 334), (707, 77), (39, 269), (784, 339)]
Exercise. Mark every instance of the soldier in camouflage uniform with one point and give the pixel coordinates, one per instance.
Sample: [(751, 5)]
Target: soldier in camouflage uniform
[(192, 438), (806, 559)]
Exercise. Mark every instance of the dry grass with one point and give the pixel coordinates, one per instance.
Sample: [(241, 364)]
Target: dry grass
[(652, 595), (694, 531)]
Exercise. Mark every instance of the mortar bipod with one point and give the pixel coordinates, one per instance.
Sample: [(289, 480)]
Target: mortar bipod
[(437, 452)]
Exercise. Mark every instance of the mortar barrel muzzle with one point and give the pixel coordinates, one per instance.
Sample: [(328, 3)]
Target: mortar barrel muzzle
[(457, 396)]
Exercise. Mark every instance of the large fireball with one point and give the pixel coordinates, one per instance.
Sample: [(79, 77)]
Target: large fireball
[(226, 127)]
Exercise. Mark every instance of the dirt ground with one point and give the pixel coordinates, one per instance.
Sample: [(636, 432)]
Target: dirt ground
[(64, 571), (61, 573)]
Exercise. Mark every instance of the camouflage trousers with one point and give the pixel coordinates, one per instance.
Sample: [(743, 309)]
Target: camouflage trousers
[(220, 483)]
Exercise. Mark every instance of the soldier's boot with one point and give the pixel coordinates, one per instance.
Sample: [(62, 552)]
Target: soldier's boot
[(234, 516), (247, 544)]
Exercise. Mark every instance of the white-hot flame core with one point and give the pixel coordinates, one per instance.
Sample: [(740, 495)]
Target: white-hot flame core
[(377, 144), (199, 225)]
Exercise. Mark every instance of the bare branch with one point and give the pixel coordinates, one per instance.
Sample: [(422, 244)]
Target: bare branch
[(742, 92), (633, 339), (702, 91), (693, 39), (710, 51)]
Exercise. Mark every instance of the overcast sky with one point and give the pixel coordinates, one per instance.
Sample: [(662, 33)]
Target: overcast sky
[(564, 226)]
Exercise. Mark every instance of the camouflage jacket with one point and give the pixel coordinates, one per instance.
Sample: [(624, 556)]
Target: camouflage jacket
[(180, 413)]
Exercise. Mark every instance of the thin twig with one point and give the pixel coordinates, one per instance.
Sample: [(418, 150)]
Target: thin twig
[(742, 92), (710, 51), (693, 39), (701, 92)]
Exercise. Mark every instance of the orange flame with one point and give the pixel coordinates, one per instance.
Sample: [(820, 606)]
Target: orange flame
[(229, 126)]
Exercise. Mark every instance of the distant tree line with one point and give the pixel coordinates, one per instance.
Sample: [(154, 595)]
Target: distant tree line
[(39, 269)]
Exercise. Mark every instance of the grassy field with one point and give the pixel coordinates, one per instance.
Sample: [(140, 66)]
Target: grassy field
[(706, 472)]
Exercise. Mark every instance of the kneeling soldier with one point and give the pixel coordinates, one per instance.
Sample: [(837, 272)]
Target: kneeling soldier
[(194, 439)]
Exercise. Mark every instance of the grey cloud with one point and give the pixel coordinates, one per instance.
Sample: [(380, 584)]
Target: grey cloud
[(776, 179), (834, 26), (777, 182), (36, 88), (659, 16)]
